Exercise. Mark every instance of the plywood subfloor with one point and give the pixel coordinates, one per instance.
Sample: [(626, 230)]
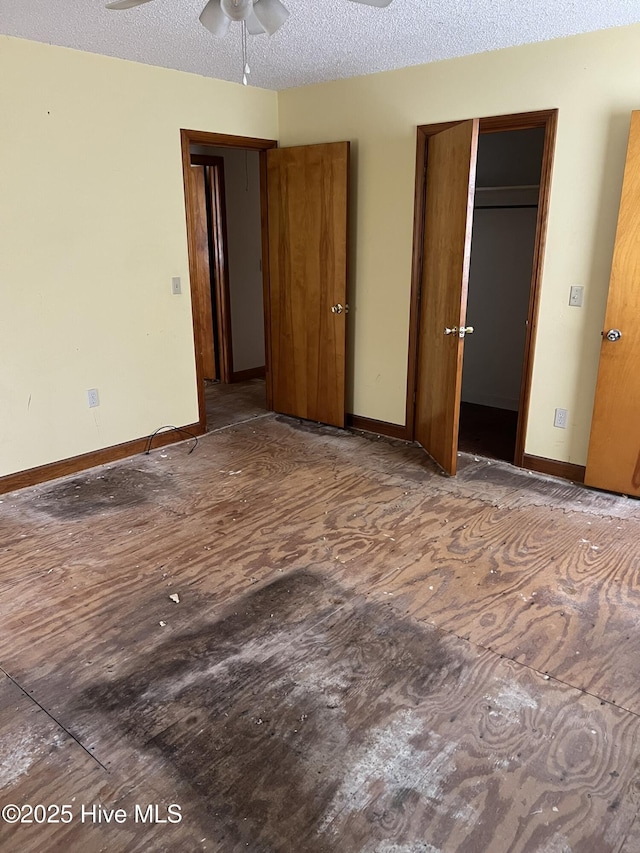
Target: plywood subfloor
[(234, 403), (366, 656)]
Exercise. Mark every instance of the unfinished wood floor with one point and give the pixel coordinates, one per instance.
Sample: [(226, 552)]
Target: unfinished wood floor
[(366, 656), (234, 403)]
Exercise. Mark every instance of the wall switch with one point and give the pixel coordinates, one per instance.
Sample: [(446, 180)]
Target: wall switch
[(560, 419), (92, 397), (176, 286), (575, 296)]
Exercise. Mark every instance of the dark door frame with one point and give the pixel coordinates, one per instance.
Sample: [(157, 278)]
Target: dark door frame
[(548, 120), (222, 140)]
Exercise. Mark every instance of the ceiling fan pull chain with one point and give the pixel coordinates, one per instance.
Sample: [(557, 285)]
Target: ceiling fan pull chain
[(245, 57)]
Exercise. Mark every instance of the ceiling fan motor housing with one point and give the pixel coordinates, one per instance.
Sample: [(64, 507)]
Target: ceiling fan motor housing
[(237, 10)]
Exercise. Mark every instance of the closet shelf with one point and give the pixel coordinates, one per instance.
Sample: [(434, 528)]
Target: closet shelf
[(509, 187), (514, 196)]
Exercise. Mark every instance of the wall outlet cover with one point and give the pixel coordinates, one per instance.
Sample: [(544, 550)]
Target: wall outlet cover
[(93, 398), (560, 419)]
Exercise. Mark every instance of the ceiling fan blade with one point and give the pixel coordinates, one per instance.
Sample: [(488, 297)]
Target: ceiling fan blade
[(125, 4), (271, 14), (254, 27), (214, 19), (379, 3)]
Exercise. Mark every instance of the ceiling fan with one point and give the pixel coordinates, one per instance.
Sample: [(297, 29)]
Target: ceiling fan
[(258, 16)]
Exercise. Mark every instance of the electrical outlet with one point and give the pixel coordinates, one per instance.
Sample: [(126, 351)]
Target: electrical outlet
[(93, 398), (560, 419), (575, 296), (176, 285)]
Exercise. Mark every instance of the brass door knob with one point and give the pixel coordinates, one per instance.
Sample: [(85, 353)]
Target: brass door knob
[(460, 332)]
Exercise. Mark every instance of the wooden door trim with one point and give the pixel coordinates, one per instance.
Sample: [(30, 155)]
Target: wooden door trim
[(225, 140), (266, 283), (222, 140), (547, 119)]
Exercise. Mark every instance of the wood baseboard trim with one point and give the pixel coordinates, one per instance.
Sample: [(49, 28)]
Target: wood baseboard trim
[(43, 473), (250, 373), (379, 427), (565, 470)]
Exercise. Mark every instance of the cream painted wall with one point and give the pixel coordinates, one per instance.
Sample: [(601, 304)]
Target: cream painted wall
[(594, 80), (92, 229)]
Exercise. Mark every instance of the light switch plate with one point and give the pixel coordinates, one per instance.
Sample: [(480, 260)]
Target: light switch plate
[(575, 296), (176, 286)]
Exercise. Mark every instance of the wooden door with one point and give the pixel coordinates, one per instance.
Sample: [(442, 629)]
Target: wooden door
[(450, 186), (220, 259), (307, 213), (212, 278), (614, 447), (201, 281)]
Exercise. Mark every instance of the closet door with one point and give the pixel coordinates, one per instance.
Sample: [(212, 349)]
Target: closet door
[(450, 187), (614, 446)]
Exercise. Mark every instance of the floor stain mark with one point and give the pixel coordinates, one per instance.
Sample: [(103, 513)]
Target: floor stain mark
[(275, 714), (94, 493)]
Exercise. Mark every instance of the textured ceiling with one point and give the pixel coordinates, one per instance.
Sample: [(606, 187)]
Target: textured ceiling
[(321, 40)]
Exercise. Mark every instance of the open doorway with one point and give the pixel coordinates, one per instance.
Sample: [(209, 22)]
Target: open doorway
[(508, 171), (235, 352), (304, 195), (225, 202), (510, 208)]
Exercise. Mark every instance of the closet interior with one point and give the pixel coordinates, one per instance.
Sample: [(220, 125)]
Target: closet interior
[(502, 248)]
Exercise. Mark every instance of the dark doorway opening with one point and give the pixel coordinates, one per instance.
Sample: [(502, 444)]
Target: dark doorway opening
[(505, 215)]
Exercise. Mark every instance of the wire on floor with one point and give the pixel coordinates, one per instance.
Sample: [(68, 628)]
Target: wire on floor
[(177, 429)]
